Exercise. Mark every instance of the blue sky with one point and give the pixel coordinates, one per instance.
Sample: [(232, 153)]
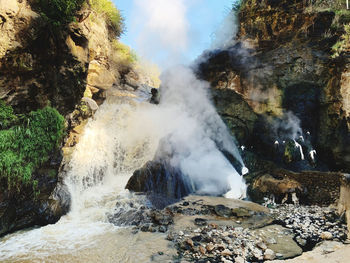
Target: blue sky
[(191, 26)]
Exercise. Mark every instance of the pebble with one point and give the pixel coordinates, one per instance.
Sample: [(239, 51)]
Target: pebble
[(202, 250), (261, 245), (257, 254), (269, 254), (226, 252), (326, 235), (190, 242), (210, 247), (213, 243)]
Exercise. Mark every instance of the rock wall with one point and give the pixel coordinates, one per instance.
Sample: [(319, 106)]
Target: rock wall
[(282, 71)]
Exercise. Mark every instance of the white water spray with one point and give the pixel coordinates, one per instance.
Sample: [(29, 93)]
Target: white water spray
[(297, 145)]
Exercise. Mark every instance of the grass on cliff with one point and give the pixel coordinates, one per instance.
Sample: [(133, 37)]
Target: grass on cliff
[(59, 12), (27, 144), (111, 13), (123, 55), (344, 42)]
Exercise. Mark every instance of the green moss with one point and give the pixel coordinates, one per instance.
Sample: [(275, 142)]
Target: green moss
[(112, 14), (26, 146)]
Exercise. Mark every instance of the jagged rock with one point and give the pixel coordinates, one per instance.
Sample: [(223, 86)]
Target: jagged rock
[(99, 76)]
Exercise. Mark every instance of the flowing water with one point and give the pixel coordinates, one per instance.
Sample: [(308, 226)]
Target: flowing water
[(121, 137), (103, 161)]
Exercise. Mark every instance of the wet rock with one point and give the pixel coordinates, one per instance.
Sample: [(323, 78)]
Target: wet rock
[(223, 211), (200, 221), (285, 244), (163, 217), (160, 178), (241, 212), (162, 229)]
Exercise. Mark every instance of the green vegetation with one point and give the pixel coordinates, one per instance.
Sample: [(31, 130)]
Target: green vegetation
[(27, 145), (343, 43), (7, 116), (122, 54), (59, 12), (112, 14)]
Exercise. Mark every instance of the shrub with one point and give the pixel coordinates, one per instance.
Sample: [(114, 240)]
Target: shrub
[(59, 12), (7, 117), (26, 146), (112, 14)]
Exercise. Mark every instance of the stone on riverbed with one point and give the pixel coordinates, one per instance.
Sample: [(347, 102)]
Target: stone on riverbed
[(285, 245)]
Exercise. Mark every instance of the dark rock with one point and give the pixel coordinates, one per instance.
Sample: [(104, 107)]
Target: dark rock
[(223, 211), (162, 229), (23, 210), (200, 221), (164, 217), (160, 178), (241, 212)]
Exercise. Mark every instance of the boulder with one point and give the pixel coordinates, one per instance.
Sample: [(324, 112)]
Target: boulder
[(285, 245), (160, 178)]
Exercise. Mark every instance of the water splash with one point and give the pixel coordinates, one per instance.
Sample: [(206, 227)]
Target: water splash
[(297, 145)]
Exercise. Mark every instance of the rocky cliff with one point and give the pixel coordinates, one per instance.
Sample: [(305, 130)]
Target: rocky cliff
[(287, 79), (65, 65)]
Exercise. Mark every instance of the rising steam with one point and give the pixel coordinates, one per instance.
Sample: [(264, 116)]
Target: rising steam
[(197, 133)]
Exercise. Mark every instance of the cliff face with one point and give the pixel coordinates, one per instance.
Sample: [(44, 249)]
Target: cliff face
[(67, 67), (285, 72), (36, 65)]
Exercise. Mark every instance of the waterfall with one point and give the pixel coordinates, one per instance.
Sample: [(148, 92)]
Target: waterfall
[(123, 135)]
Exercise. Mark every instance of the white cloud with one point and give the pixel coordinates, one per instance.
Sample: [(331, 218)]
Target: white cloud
[(162, 27)]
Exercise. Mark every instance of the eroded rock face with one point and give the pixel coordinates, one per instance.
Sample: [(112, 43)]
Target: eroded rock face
[(308, 187), (26, 209), (282, 64)]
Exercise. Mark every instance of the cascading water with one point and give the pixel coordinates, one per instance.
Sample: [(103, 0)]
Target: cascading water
[(122, 136)]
